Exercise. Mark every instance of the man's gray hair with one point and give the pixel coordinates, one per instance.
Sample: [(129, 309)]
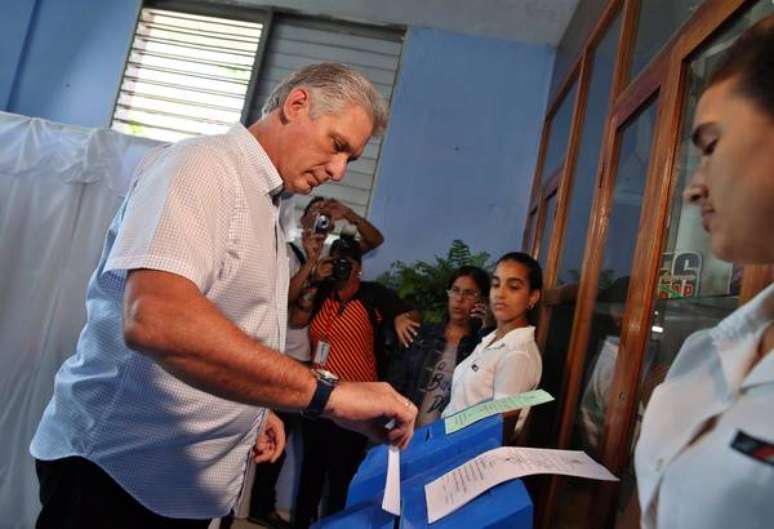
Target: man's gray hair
[(332, 86)]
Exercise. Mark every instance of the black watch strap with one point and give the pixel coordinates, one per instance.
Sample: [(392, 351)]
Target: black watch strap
[(326, 382)]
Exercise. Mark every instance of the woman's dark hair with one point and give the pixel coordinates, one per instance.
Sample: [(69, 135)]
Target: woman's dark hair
[(347, 247), (534, 276), (478, 275), (750, 62)]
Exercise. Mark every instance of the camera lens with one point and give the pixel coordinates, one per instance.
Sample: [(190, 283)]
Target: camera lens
[(342, 268)]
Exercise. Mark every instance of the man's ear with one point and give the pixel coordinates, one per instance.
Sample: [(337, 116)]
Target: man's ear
[(296, 104)]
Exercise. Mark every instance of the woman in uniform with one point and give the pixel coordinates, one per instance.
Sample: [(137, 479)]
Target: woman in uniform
[(705, 457)]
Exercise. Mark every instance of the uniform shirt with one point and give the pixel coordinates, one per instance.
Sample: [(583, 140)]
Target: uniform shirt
[(691, 472), (496, 369), (202, 209)]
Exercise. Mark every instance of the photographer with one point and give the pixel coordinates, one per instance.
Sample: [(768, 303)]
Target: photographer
[(346, 318), (321, 215), (308, 268)]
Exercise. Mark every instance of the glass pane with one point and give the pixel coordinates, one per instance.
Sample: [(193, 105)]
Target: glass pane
[(695, 290), (659, 20), (589, 155), (581, 197), (558, 135), (634, 154), (548, 229)]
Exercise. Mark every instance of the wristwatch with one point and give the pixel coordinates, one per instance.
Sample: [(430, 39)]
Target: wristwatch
[(326, 381)]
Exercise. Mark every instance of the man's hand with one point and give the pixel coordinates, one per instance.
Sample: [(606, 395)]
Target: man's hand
[(366, 407), (406, 328), (271, 440)]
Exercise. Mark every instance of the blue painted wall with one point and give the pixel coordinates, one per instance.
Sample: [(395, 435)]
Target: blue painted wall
[(458, 158), (15, 19), (73, 60), (461, 149)]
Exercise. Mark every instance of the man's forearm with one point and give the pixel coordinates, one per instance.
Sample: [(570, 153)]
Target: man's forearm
[(171, 322), (370, 237)]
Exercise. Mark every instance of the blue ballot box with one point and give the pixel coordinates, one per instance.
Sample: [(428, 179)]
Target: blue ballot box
[(429, 447), (369, 516), (505, 506)]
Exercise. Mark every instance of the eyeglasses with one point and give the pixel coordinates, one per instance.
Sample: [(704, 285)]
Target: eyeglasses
[(470, 295)]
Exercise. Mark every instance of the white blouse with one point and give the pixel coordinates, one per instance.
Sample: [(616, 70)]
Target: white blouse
[(722, 477), (496, 369)]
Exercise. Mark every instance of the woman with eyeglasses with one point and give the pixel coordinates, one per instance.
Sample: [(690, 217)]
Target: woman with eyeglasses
[(507, 361), (422, 370)]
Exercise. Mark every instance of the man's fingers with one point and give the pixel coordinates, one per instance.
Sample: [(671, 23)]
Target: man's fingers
[(280, 443)]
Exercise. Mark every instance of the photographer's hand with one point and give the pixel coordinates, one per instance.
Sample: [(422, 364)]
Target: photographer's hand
[(324, 269), (313, 244), (336, 209)]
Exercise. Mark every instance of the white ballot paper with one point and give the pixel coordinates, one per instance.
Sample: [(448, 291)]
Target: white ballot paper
[(391, 500), (457, 487)]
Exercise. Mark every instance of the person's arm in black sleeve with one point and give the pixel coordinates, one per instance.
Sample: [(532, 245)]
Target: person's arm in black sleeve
[(404, 317)]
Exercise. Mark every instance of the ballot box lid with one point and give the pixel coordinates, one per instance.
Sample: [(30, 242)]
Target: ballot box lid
[(432, 438), (426, 451)]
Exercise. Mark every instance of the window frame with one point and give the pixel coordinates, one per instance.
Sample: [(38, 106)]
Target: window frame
[(663, 76), (198, 7)]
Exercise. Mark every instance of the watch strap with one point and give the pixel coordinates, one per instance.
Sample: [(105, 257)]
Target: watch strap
[(320, 398)]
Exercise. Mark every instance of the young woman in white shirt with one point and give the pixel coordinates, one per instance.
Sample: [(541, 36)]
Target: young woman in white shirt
[(507, 361), (705, 456)]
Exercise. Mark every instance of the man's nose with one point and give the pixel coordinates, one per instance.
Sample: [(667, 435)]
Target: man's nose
[(337, 168)]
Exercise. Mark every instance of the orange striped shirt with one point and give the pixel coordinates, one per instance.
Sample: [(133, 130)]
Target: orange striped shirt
[(346, 327)]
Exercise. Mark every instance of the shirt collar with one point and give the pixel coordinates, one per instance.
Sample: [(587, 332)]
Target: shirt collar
[(736, 340), (262, 168), (512, 339)]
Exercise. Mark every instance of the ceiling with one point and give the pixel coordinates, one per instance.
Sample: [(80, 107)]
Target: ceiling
[(530, 21)]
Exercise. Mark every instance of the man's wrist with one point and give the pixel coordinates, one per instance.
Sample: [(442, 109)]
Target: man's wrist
[(325, 385)]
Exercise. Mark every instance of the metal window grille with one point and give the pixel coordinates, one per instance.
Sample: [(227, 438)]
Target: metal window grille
[(296, 41), (186, 75)]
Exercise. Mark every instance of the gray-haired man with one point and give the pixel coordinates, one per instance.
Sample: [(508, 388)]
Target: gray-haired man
[(154, 417)]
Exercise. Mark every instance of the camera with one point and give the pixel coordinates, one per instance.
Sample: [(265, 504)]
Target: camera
[(342, 268), (322, 224)]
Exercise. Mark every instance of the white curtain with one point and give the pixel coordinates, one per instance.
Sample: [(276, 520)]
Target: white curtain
[(59, 188)]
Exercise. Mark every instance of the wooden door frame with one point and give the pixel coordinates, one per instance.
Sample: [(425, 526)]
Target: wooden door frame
[(663, 76)]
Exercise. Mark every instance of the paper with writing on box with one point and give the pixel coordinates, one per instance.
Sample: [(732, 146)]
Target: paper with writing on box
[(391, 500), (468, 416), (459, 486)]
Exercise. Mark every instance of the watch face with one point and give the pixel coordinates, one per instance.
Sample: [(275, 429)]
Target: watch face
[(326, 376)]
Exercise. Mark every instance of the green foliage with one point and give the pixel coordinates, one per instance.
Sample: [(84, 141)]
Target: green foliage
[(424, 284)]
